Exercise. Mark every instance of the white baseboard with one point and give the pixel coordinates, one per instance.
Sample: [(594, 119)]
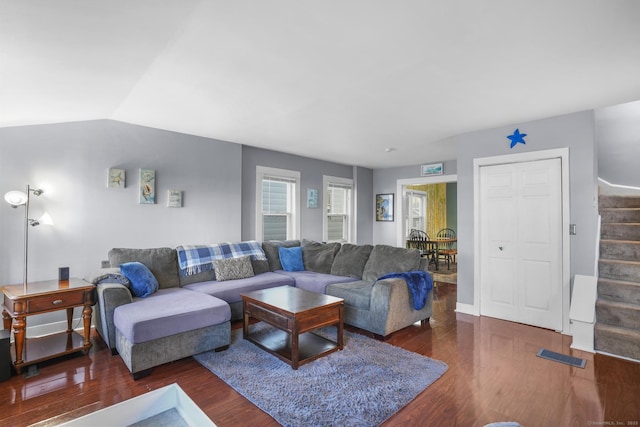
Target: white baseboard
[(467, 309)]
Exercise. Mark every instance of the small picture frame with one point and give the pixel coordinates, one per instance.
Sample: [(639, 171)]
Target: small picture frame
[(174, 198), (384, 207), (147, 190), (312, 198), (431, 169), (116, 178)]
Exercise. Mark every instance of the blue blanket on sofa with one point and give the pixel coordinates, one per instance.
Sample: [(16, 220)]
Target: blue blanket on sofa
[(419, 282)]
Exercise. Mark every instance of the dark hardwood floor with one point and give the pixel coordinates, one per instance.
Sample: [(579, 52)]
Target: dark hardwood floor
[(494, 375)]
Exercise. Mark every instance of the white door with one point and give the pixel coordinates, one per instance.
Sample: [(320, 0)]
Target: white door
[(521, 242)]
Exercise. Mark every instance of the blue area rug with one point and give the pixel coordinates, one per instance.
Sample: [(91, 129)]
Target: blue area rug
[(362, 385)]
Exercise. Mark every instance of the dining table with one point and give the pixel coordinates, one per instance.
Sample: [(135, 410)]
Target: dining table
[(433, 245)]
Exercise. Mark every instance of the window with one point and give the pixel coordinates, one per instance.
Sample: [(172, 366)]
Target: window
[(416, 210), (337, 223), (277, 204)]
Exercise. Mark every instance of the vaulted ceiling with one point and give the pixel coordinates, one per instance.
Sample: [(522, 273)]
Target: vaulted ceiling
[(334, 80)]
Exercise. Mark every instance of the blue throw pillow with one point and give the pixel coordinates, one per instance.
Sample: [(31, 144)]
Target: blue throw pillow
[(143, 282), (291, 258)]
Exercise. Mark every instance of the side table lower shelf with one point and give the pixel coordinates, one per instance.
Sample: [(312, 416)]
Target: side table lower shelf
[(39, 349)]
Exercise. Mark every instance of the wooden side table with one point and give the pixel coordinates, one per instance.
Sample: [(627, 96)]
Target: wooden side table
[(45, 297)]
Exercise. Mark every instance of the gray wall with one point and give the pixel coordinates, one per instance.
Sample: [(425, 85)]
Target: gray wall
[(70, 162), (385, 181), (452, 206), (575, 131), (364, 198), (311, 173), (618, 136)]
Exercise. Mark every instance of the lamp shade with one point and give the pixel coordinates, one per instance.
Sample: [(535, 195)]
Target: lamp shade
[(16, 198), (46, 219)]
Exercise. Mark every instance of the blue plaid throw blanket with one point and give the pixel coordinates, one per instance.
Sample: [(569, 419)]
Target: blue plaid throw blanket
[(198, 258), (419, 282)]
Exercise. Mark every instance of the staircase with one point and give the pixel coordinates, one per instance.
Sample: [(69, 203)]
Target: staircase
[(617, 329)]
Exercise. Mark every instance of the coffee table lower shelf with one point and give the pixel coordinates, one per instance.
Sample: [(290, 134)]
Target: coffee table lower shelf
[(310, 345)]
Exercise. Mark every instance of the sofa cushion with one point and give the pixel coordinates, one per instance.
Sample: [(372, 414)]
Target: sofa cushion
[(313, 281), (230, 291), (319, 257), (233, 268), (143, 283), (291, 258), (163, 263), (389, 259), (350, 260), (270, 249), (356, 294), (203, 276), (168, 312)]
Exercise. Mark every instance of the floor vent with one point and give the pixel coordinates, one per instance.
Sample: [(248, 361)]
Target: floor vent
[(562, 358)]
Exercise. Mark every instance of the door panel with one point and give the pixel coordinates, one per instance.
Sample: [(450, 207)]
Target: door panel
[(521, 225)]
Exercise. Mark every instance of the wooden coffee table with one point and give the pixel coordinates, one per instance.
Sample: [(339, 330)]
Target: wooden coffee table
[(294, 313)]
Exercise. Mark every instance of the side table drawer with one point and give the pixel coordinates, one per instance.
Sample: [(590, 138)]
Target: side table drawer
[(55, 302)]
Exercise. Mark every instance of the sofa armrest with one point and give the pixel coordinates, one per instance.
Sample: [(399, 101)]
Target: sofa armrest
[(107, 275), (110, 296), (392, 306)]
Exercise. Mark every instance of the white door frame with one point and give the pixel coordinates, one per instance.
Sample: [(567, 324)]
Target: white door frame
[(422, 180), (563, 154)]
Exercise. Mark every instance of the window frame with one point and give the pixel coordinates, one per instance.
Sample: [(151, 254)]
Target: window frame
[(350, 215), (409, 194), (293, 226)]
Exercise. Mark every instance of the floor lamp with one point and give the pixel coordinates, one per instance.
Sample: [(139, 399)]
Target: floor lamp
[(18, 198)]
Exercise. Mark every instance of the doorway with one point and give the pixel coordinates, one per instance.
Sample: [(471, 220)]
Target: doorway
[(402, 186), (441, 188), (521, 267)]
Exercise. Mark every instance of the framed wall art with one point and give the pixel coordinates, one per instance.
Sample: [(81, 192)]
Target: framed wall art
[(174, 198), (147, 189), (384, 207), (116, 178), (312, 198), (432, 169)]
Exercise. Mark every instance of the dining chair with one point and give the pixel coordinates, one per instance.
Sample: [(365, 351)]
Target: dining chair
[(419, 240), (447, 250)]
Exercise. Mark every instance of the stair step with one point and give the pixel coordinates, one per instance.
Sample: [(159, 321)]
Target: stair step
[(615, 340), (616, 313), (620, 249), (620, 215), (619, 290), (620, 231), (628, 271), (618, 201)]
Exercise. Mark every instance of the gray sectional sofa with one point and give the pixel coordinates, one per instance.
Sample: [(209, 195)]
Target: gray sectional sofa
[(191, 311)]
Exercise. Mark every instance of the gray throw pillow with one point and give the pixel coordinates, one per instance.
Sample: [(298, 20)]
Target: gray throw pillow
[(319, 257), (270, 249), (389, 259), (233, 268), (350, 260)]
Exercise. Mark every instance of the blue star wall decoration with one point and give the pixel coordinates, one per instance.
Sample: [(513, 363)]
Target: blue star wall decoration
[(517, 138)]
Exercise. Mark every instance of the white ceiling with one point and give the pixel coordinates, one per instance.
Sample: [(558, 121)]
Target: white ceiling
[(334, 80)]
